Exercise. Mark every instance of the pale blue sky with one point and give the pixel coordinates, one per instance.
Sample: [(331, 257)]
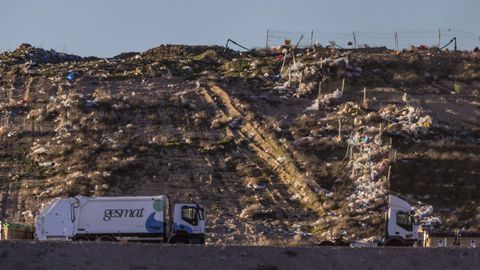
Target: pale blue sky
[(108, 27)]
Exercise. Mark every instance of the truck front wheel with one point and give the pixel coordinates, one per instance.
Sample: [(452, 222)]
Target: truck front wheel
[(179, 240), (393, 243)]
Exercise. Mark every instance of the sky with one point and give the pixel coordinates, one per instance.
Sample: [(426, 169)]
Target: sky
[(106, 28)]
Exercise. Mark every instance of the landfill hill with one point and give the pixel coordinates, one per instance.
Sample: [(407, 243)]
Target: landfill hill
[(275, 146)]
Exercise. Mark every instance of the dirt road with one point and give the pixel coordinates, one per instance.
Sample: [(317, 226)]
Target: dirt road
[(34, 255)]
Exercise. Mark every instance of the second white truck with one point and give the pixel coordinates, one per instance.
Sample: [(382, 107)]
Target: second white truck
[(402, 228), (145, 218)]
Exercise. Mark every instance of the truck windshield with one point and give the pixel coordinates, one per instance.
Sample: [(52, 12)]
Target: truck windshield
[(189, 214), (404, 220)]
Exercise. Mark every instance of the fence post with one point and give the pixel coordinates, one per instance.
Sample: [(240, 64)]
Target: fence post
[(354, 41), (266, 41), (319, 89), (311, 39), (395, 39), (340, 129), (395, 35), (364, 96), (439, 35)]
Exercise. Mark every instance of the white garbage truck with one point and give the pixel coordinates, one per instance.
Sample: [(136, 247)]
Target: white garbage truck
[(143, 218), (402, 228)]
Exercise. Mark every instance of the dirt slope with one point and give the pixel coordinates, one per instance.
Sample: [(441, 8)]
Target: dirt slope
[(257, 144)]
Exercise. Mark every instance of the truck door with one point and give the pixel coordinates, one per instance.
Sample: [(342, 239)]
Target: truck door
[(401, 222)]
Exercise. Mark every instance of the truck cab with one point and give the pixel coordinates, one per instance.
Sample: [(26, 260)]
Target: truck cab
[(402, 228), (188, 224)]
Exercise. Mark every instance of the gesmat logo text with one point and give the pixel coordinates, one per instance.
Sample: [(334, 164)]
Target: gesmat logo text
[(122, 213)]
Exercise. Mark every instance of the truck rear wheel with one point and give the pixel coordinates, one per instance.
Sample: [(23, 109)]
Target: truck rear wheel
[(105, 238), (81, 238)]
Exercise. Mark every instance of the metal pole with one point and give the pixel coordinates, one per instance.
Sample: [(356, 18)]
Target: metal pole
[(388, 177), (439, 36), (311, 39), (266, 40), (319, 89), (364, 96), (396, 41), (339, 129), (283, 63), (354, 41), (398, 45)]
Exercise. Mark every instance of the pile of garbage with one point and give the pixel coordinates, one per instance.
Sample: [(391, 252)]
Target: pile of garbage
[(362, 190), (301, 74), (27, 53), (407, 121), (368, 167), (424, 216)]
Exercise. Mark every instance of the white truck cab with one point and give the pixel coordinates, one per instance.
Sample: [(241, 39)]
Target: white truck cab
[(401, 229), (188, 219)]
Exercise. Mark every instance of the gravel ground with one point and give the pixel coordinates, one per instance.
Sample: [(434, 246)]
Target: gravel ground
[(34, 255)]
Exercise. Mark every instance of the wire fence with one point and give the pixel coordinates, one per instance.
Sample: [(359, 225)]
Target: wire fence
[(362, 39)]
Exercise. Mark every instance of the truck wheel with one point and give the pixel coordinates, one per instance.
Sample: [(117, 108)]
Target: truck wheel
[(174, 240), (197, 240), (81, 238), (327, 244), (393, 243), (105, 238), (180, 240)]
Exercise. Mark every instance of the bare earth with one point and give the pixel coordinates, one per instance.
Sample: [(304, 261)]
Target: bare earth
[(105, 256), (273, 155)]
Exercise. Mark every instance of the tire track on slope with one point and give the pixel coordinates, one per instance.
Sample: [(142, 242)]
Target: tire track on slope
[(268, 150)]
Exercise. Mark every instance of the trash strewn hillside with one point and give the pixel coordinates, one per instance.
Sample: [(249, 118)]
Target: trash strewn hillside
[(281, 146)]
